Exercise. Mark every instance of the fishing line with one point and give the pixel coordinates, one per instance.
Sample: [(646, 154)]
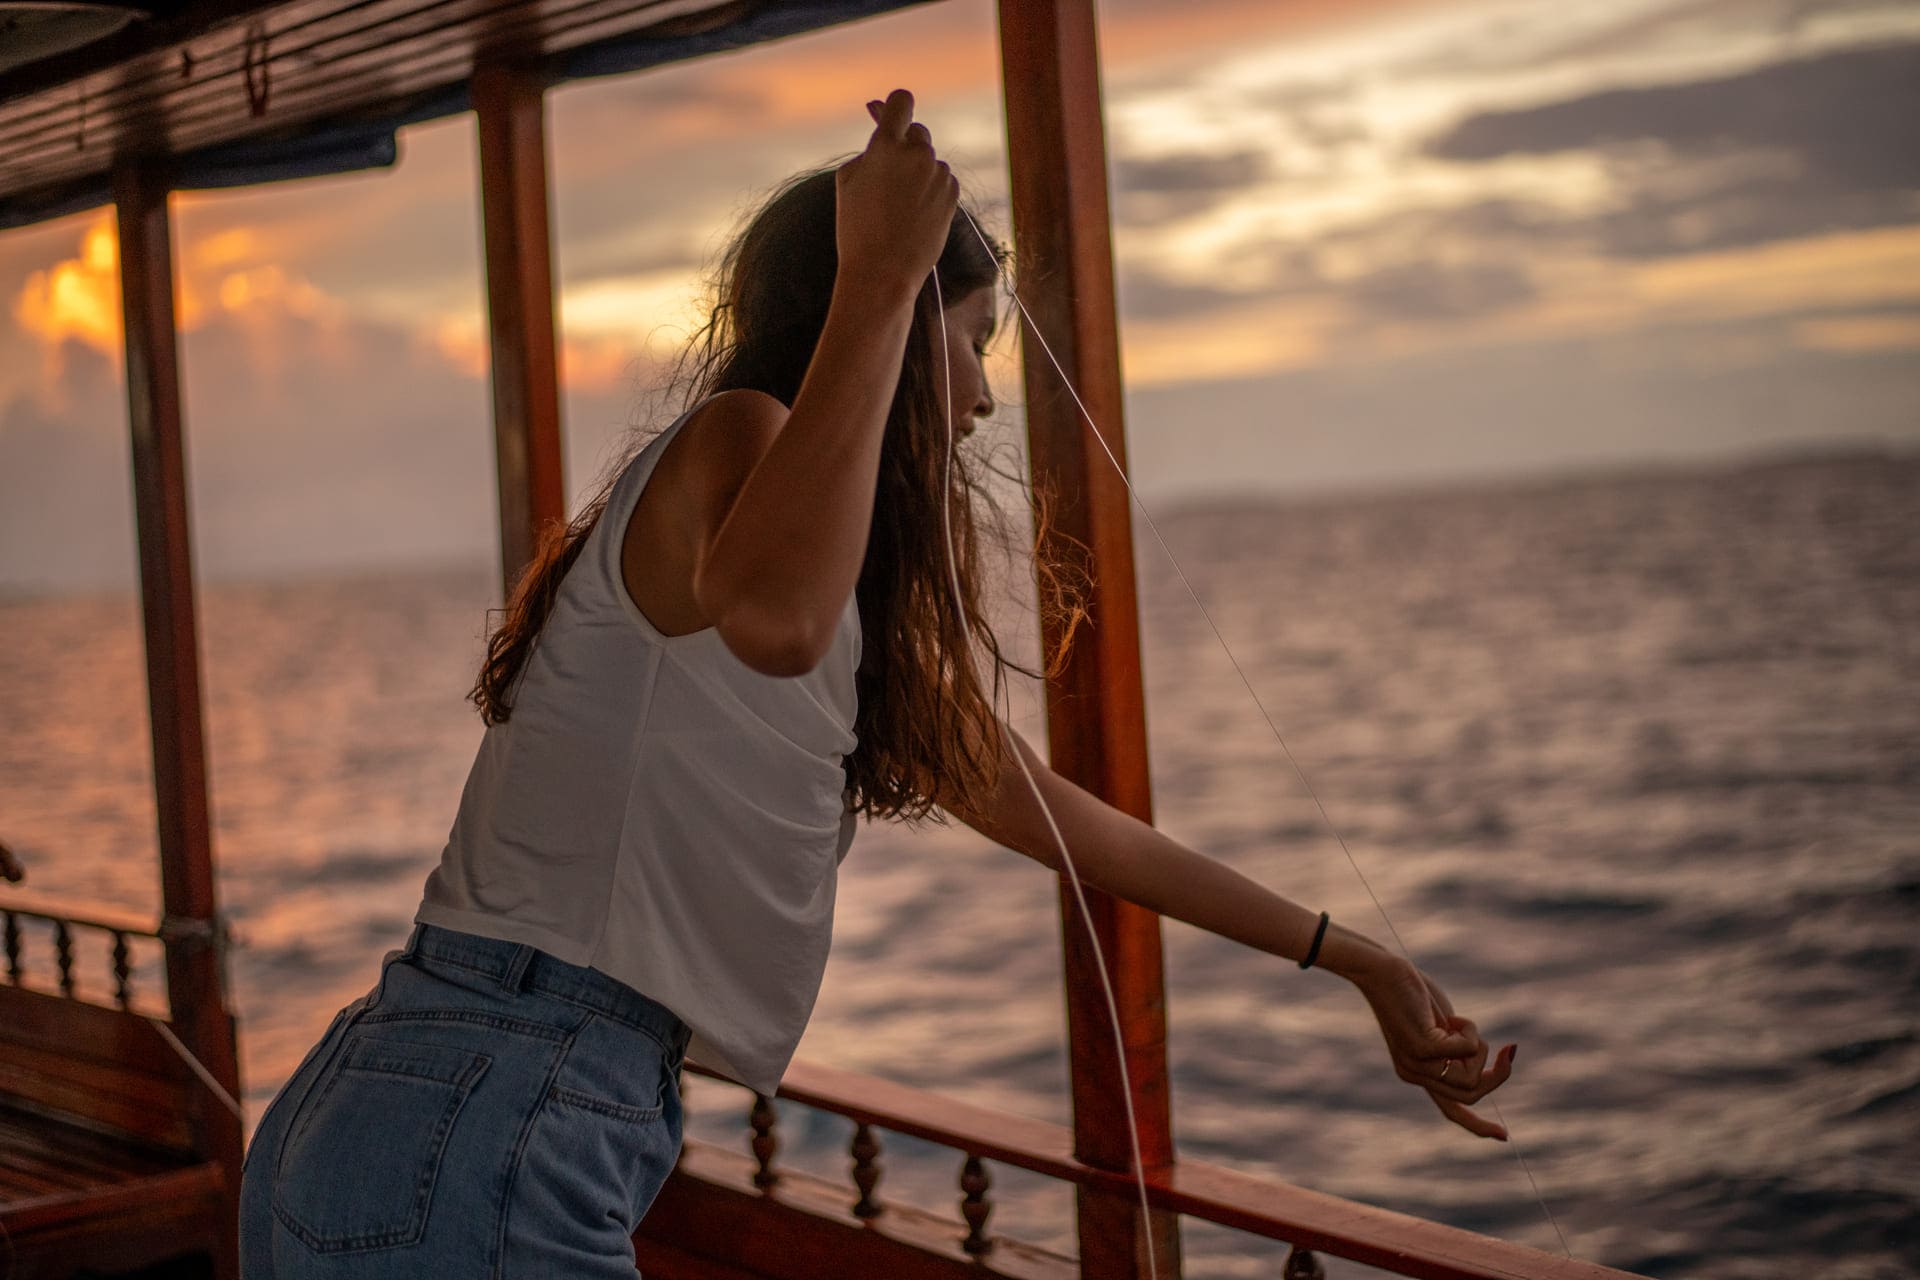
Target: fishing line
[(1013, 749), (1305, 782)]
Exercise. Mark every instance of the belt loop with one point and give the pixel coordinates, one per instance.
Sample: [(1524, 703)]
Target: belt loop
[(516, 973)]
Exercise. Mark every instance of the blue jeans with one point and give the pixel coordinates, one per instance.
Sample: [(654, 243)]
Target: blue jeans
[(485, 1111)]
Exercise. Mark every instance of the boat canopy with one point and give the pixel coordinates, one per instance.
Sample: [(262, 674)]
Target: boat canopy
[(233, 93)]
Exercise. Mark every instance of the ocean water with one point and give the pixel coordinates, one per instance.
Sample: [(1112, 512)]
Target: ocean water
[(1632, 761)]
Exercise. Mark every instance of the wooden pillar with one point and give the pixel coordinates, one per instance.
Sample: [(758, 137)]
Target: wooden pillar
[(510, 109), (195, 967), (1096, 714)]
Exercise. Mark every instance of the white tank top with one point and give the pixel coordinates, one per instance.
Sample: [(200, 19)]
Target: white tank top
[(656, 809)]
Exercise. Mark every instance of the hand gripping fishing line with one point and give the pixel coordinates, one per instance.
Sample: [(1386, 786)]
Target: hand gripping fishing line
[(1073, 876)]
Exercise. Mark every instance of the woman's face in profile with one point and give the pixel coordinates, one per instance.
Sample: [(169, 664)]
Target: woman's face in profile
[(970, 324)]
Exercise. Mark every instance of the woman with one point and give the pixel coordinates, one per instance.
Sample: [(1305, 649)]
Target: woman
[(747, 641)]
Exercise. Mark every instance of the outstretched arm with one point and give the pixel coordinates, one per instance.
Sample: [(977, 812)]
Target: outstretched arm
[(1123, 856), (1119, 854)]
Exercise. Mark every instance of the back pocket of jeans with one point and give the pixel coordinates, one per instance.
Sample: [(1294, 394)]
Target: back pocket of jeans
[(361, 1159)]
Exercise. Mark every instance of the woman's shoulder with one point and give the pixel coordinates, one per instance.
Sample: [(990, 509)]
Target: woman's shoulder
[(725, 436), (705, 455), (685, 498), (715, 448)]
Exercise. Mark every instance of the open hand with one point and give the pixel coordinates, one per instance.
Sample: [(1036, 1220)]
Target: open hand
[(1434, 1048)]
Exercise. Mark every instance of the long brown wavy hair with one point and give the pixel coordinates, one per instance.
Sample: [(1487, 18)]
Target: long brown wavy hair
[(926, 724)]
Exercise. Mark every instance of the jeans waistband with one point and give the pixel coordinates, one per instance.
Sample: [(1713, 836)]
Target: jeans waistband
[(516, 966)]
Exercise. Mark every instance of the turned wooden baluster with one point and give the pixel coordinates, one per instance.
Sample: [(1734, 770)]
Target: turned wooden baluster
[(13, 948), (63, 950), (974, 1207), (866, 1171), (1303, 1265), (122, 971), (764, 1143)]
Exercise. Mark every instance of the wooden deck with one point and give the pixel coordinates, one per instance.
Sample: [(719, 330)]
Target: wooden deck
[(73, 1196)]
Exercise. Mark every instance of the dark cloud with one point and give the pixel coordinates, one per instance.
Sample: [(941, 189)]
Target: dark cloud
[(1544, 38), (1324, 115), (1271, 271), (1754, 211), (1424, 265), (1309, 95), (1499, 218), (1168, 187), (1180, 174), (1147, 295), (1853, 117), (1431, 290), (1674, 211), (1793, 149), (1665, 210), (1408, 290)]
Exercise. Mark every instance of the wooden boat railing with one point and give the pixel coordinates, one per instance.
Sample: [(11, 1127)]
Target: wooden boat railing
[(62, 921), (103, 1123), (832, 1219)]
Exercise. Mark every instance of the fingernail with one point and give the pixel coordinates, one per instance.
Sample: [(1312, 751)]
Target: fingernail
[(1513, 1051)]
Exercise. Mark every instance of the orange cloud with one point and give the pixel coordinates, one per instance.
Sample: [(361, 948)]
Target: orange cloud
[(944, 50), (586, 364), (234, 246), (270, 289), (595, 364), (1847, 268), (462, 344), (1263, 336), (243, 277), (1153, 33), (1860, 334), (76, 299)]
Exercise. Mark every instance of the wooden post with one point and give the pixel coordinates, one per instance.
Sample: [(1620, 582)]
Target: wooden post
[(1096, 714), (195, 967), (509, 107)]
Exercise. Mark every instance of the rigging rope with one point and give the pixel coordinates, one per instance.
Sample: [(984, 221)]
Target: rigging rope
[(1013, 749), (1073, 876), (200, 1069)]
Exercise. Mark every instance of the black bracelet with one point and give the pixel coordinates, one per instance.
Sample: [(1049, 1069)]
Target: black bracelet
[(1319, 936)]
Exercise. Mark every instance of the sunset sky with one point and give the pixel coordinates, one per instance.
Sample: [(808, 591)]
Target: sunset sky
[(1361, 246)]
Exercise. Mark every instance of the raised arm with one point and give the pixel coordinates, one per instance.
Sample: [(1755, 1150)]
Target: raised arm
[(1112, 851), (775, 572)]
